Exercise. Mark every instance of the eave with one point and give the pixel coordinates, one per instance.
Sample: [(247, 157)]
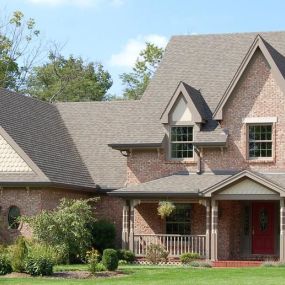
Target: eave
[(128, 146)]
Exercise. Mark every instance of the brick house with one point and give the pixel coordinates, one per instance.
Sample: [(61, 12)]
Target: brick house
[(208, 135)]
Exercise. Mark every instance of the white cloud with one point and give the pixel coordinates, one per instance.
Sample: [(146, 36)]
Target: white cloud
[(130, 52), (77, 3)]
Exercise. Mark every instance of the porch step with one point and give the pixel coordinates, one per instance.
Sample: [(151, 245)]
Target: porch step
[(236, 263)]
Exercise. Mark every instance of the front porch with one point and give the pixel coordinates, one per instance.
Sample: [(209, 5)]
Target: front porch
[(237, 219)]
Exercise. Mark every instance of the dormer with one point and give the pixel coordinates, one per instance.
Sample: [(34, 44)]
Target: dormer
[(185, 106)]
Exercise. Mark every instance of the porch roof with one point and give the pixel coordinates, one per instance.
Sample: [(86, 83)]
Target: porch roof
[(190, 184)]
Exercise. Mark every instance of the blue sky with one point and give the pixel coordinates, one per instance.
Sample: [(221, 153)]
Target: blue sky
[(113, 31)]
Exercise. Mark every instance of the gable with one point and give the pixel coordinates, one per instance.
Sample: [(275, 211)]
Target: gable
[(259, 45), (180, 111), (10, 160)]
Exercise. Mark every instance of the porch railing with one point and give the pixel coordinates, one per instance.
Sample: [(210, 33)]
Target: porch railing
[(174, 244)]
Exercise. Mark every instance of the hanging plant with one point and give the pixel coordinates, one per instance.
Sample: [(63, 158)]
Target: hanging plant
[(165, 208)]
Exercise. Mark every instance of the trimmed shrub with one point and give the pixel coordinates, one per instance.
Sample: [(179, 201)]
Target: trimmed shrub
[(18, 253), (187, 258), (156, 253), (38, 266), (92, 258), (5, 265), (104, 234), (126, 255), (110, 259)]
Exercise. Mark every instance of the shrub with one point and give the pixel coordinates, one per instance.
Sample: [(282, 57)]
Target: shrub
[(38, 266), (194, 264), (165, 208), (104, 234), (18, 253), (110, 259), (126, 255), (123, 262), (100, 267), (186, 258), (92, 258), (5, 265), (156, 253)]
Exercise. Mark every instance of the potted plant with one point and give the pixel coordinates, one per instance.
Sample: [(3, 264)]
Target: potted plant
[(165, 208)]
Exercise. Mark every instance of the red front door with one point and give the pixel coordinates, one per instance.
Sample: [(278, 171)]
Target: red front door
[(263, 228)]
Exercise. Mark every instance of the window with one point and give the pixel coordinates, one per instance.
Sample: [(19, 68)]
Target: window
[(181, 142), (13, 217), (260, 141), (179, 222)]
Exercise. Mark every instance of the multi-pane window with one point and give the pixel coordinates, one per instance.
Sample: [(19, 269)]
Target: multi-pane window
[(181, 142), (260, 141), (179, 222), (13, 217)]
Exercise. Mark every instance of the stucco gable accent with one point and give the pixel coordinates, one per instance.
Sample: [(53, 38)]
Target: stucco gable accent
[(14, 160), (238, 178), (190, 95), (260, 44)]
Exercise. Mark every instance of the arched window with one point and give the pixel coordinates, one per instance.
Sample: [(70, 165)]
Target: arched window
[(13, 217)]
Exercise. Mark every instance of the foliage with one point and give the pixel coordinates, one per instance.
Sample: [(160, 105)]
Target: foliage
[(69, 79), (65, 227), (18, 253), (156, 254), (92, 258), (126, 255), (19, 48), (5, 265), (186, 258), (122, 262), (37, 265), (110, 259), (273, 264), (165, 208), (104, 234), (100, 267), (145, 66)]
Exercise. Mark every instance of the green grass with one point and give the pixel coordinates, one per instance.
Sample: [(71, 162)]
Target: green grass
[(146, 275)]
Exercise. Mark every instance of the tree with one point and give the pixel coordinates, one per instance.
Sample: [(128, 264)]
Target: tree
[(18, 50), (69, 79), (68, 226), (145, 66)]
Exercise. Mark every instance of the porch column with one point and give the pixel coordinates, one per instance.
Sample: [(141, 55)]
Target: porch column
[(282, 230), (132, 220), (208, 228), (125, 226), (214, 234)]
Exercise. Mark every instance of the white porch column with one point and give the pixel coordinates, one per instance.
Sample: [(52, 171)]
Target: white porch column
[(282, 230), (125, 226), (214, 233), (133, 204), (208, 228)]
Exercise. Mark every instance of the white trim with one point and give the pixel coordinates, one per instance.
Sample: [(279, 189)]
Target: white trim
[(258, 120)]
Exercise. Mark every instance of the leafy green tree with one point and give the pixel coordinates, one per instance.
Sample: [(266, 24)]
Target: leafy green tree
[(67, 226), (69, 79), (145, 66), (19, 49)]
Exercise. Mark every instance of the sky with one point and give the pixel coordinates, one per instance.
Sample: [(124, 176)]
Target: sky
[(113, 32)]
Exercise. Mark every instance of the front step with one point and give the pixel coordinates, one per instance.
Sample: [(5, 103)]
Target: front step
[(236, 263)]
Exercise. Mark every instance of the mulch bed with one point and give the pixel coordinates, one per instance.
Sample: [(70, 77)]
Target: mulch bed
[(72, 275)]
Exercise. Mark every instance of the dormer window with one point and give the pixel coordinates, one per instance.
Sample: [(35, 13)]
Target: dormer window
[(260, 141), (181, 143)]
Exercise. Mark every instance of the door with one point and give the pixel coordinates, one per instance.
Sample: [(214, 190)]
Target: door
[(263, 228)]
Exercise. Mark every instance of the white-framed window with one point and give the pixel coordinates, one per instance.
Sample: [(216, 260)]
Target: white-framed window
[(260, 144), (181, 142)]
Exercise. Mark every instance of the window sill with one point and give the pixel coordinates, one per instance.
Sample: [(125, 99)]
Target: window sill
[(257, 161), (173, 161)]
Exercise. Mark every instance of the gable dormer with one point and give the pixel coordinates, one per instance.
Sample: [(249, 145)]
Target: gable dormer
[(185, 106)]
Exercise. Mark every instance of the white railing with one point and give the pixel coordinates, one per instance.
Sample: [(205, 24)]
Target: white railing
[(174, 244)]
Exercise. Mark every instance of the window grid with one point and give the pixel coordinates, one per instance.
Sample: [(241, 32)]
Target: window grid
[(182, 142), (260, 141), (179, 222)]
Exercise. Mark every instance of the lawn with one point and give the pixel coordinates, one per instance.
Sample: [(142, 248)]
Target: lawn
[(146, 275)]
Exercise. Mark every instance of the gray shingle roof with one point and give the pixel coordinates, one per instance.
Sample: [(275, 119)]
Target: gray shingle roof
[(191, 184), (39, 130)]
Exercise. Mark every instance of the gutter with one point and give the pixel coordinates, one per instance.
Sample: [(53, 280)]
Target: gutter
[(145, 194)]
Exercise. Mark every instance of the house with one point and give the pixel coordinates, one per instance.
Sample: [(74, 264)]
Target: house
[(208, 135)]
